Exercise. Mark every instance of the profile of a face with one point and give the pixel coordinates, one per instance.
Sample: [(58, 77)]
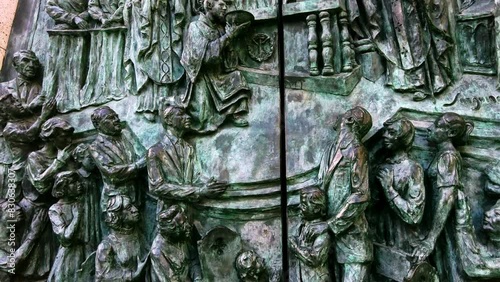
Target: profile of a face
[(110, 122), (491, 223), (130, 213), (177, 118), (217, 8), (438, 131)]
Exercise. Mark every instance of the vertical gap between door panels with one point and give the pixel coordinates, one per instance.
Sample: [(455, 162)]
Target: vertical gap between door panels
[(284, 198)]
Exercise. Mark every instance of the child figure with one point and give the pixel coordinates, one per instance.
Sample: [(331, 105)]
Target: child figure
[(173, 256), (312, 245), (66, 218)]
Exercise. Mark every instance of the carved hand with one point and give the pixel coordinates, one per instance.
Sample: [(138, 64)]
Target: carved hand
[(234, 31), (422, 251), (214, 189), (64, 154), (81, 23), (385, 176), (47, 108)]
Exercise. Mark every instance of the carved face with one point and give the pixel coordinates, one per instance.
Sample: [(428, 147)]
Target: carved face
[(110, 124), (62, 139), (250, 267), (437, 132), (74, 188), (180, 120), (491, 222), (130, 213), (390, 136), (309, 210), (218, 10), (27, 67), (177, 228), (13, 107)]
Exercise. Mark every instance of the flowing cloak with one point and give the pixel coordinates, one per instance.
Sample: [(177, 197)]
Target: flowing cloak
[(71, 252), (214, 83), (343, 174), (160, 51), (408, 34)]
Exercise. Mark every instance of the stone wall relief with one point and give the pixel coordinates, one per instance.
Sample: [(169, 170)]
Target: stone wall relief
[(196, 67)]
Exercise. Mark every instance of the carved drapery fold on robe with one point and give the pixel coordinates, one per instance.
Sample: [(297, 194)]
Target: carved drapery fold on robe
[(215, 88), (154, 48), (105, 77), (412, 36)]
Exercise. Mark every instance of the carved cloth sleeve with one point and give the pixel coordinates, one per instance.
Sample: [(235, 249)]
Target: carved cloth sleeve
[(448, 170), (357, 202), (194, 52), (117, 172), (59, 225), (163, 175), (66, 11), (410, 206)]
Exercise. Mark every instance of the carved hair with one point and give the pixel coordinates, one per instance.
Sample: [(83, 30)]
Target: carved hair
[(114, 208), (458, 127), (99, 114), (62, 180), (316, 197), (80, 152), (363, 123), (170, 213), (55, 126), (169, 111), (406, 132), (19, 55)]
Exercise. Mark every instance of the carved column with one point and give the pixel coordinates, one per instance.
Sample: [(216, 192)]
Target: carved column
[(348, 61), (327, 43), (312, 45)]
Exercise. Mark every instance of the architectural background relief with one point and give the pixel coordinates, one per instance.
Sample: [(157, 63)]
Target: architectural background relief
[(140, 140)]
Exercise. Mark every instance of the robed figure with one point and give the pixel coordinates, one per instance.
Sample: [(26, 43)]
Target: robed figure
[(154, 48), (414, 38), (216, 89)]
